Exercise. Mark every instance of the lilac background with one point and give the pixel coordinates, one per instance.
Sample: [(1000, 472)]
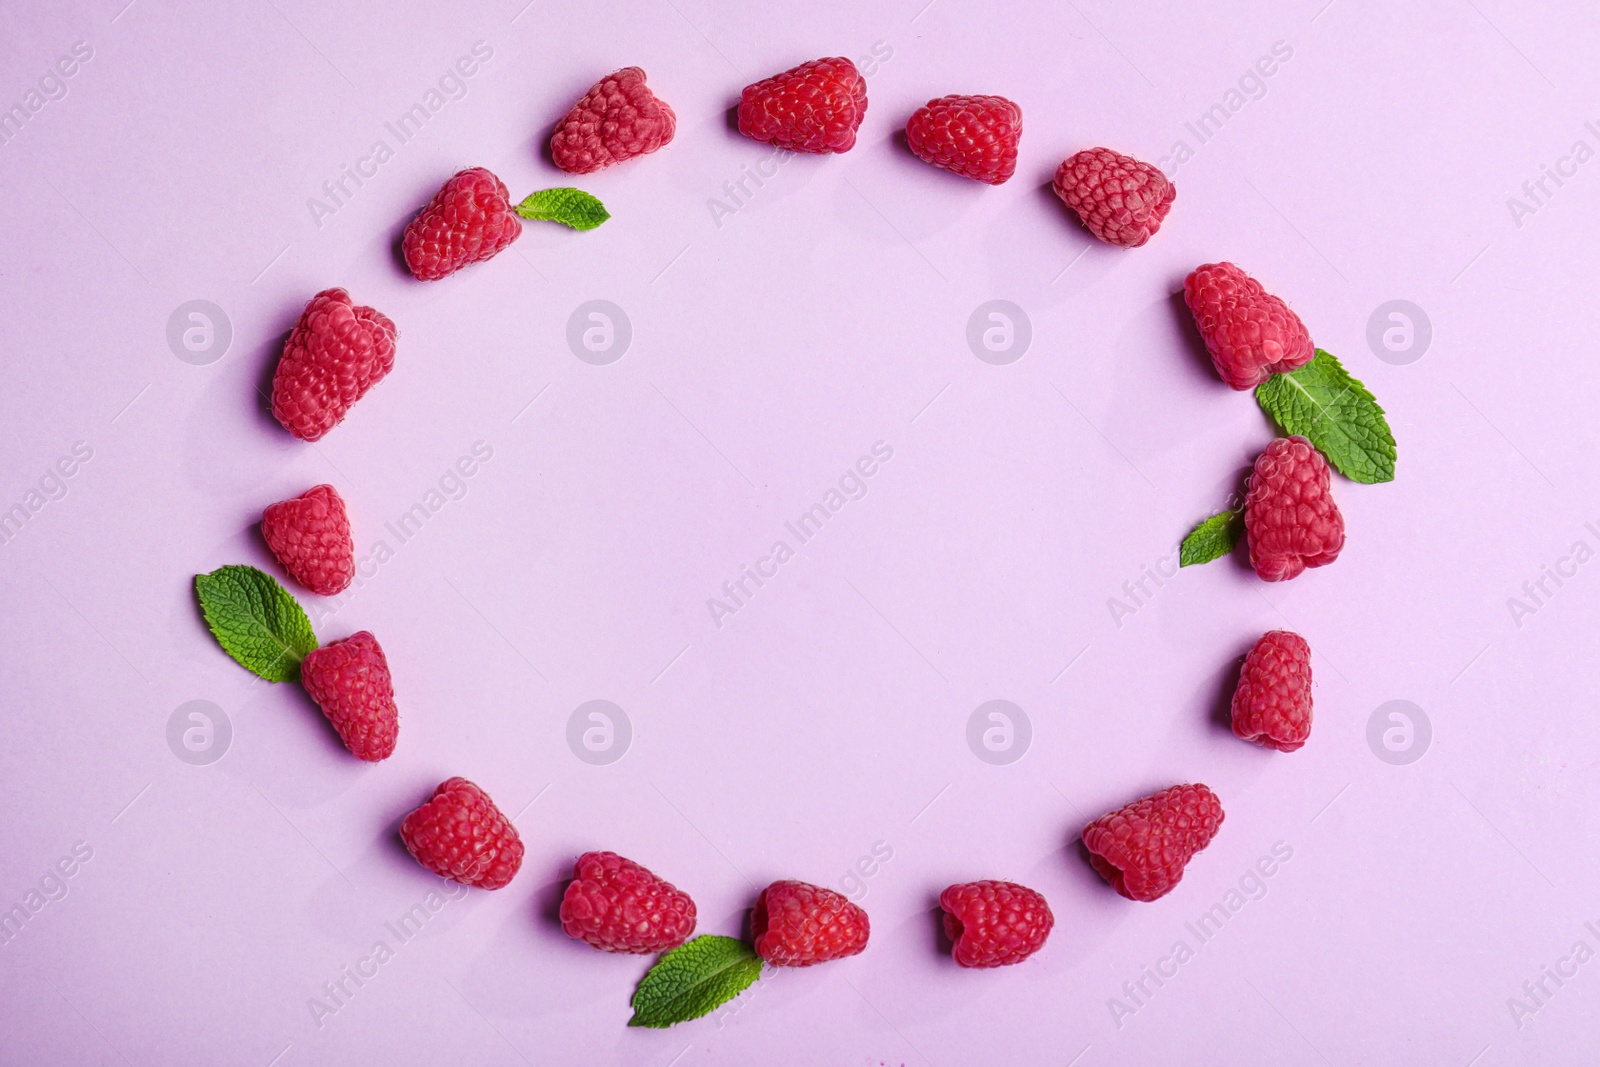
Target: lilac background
[(829, 714)]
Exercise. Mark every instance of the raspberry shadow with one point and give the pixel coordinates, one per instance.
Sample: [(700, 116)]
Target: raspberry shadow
[(1222, 691), (268, 373), (1194, 344)]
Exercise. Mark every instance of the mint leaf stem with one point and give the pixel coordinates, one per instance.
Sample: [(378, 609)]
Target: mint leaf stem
[(256, 621)]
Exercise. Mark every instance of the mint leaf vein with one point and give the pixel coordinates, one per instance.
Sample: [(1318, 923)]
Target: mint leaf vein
[(1212, 539), (693, 980), (256, 621), (1324, 404), (566, 205)]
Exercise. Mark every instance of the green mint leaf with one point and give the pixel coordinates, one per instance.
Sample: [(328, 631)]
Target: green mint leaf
[(1323, 403), (693, 980), (568, 206), (1211, 540), (256, 621)]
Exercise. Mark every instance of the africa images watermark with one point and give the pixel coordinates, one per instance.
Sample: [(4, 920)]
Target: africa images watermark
[(51, 86), (199, 732), (737, 592), (1537, 992), (52, 886), (854, 882), (1137, 592), (340, 990), (1552, 177), (1250, 87), (51, 486), (738, 191), (451, 486), (1137, 992), (450, 86), (999, 732), (1539, 590), (599, 732)]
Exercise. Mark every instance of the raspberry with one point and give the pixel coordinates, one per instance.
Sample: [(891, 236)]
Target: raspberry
[(1142, 849), (617, 119), (618, 906), (815, 107), (310, 535), (468, 221), (350, 682), (973, 136), (1250, 333), (334, 354), (459, 834), (796, 924), (1120, 200), (1290, 519), (992, 924), (1272, 706)]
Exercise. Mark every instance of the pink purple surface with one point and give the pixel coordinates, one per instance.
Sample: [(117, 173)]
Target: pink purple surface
[(1416, 912)]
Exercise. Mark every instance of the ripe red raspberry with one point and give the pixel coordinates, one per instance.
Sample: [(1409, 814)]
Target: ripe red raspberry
[(350, 682), (1120, 200), (973, 136), (815, 107), (1272, 706), (334, 354), (1141, 849), (310, 536), (992, 924), (1290, 519), (1250, 333), (617, 119), (796, 924), (618, 906), (459, 834), (470, 219)]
